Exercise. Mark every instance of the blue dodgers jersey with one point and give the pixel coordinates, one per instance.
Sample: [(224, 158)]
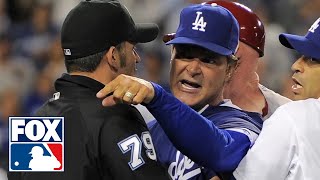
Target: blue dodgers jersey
[(180, 166)]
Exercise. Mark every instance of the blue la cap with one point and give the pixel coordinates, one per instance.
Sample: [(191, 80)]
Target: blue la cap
[(209, 26), (308, 45)]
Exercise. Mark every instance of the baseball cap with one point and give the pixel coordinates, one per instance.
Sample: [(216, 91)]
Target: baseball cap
[(308, 45), (209, 26), (95, 25), (36, 150)]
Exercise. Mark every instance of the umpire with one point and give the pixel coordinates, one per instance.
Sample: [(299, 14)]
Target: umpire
[(98, 39)]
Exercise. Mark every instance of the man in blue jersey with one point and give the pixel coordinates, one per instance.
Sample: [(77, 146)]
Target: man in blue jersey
[(202, 62), (244, 88)]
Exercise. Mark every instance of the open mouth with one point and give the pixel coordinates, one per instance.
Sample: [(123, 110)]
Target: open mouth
[(296, 81), (190, 84), (296, 86)]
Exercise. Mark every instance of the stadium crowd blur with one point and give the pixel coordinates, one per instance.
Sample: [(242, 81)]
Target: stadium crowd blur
[(31, 57)]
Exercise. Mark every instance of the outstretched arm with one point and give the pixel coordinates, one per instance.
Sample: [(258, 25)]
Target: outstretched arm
[(194, 135)]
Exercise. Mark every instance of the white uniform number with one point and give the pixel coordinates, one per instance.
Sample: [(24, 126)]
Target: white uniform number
[(134, 144), (148, 144)]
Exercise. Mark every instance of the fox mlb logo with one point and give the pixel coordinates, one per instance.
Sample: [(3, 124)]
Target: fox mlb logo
[(36, 144)]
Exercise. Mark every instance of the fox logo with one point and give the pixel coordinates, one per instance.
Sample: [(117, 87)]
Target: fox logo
[(36, 144)]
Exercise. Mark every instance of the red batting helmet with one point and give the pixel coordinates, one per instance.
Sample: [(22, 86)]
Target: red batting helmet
[(251, 28)]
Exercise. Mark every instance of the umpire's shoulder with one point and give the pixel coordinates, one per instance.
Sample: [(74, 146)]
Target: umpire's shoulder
[(119, 112)]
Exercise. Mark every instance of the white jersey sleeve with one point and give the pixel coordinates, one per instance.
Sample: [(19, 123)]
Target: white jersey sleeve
[(288, 147), (270, 156)]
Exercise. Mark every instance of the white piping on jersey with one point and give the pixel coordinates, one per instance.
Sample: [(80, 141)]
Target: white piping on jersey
[(226, 102), (203, 109)]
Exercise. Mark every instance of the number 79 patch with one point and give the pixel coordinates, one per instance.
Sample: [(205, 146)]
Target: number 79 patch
[(134, 144)]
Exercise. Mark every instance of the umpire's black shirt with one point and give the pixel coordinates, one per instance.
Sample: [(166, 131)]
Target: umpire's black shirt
[(101, 143)]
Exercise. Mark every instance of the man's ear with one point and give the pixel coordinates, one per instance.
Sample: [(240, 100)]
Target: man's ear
[(230, 70), (173, 53), (112, 58)]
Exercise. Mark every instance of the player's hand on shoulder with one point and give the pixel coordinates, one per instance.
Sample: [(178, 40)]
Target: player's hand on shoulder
[(126, 89)]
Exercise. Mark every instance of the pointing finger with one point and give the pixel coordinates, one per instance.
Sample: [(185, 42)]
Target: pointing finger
[(108, 89)]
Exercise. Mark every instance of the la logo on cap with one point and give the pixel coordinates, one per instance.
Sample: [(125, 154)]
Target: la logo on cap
[(67, 52), (199, 22), (314, 26)]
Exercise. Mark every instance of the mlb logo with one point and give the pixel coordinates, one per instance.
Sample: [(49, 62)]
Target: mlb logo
[(36, 144), (67, 52)]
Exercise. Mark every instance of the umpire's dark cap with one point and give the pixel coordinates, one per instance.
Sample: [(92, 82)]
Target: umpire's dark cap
[(93, 26)]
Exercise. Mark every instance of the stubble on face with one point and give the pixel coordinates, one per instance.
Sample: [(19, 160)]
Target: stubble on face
[(211, 85), (306, 78), (127, 59)]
